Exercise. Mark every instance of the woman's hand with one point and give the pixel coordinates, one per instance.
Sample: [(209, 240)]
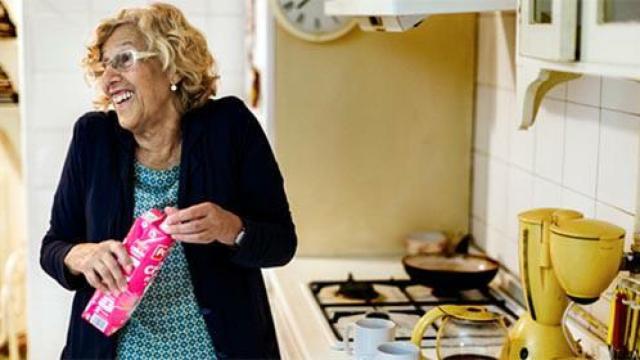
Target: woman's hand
[(101, 264), (203, 223)]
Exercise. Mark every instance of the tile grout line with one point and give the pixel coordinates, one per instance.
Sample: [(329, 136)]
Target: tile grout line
[(595, 204), (564, 141)]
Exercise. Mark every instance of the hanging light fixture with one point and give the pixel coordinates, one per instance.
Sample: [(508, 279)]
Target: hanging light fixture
[(7, 28)]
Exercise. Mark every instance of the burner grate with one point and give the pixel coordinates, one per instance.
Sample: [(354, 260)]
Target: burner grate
[(415, 300)]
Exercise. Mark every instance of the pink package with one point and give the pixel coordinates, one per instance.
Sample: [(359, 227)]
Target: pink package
[(148, 246)]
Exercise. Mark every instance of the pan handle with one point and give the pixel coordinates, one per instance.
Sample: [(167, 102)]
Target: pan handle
[(459, 244)]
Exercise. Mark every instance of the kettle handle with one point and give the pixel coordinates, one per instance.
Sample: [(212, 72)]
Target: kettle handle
[(423, 324)]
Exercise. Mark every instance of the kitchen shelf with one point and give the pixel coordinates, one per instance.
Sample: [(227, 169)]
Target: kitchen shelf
[(536, 77), (413, 7)]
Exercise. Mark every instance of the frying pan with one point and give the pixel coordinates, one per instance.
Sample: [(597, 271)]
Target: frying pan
[(451, 272)]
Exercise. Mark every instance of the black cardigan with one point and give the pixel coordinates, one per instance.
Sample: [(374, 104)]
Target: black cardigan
[(226, 159)]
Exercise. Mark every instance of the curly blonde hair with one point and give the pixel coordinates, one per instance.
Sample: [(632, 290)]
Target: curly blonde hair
[(181, 48)]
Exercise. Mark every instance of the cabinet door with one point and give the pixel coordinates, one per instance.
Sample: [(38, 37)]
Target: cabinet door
[(548, 29), (610, 32)]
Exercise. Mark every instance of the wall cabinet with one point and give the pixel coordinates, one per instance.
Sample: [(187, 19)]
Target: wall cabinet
[(559, 40), (548, 29), (593, 31), (610, 32)]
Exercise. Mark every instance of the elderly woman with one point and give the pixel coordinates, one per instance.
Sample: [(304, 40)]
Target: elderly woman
[(206, 162)]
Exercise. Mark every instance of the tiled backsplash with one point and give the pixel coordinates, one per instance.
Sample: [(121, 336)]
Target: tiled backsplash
[(581, 153), (55, 95)]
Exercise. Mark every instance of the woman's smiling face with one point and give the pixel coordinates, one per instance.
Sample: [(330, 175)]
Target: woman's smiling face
[(140, 93)]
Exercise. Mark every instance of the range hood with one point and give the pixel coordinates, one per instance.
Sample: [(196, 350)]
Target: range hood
[(401, 15)]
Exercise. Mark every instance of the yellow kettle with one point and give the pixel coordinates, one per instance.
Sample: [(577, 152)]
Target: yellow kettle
[(464, 332)]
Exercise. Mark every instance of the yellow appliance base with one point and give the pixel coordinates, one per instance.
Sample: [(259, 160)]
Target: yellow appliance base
[(530, 340)]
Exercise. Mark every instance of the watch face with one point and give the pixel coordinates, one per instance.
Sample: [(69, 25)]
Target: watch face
[(306, 18)]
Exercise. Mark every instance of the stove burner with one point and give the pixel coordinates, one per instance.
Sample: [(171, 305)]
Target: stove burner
[(357, 290), (378, 315)]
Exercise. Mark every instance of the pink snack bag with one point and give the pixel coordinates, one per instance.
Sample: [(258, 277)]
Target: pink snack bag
[(148, 246)]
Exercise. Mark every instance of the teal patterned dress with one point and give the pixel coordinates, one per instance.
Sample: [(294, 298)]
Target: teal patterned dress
[(167, 323)]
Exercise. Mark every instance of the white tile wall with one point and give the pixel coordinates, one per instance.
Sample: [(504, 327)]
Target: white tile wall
[(576, 201), (484, 118), (480, 185), (496, 196), (584, 90), (479, 229), (549, 135), (520, 196), (582, 152), (493, 112), (580, 170), (522, 143), (545, 193), (617, 94), (618, 217), (496, 59), (618, 164), (55, 33)]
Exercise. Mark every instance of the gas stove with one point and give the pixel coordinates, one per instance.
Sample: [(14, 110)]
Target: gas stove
[(402, 301), (311, 311)]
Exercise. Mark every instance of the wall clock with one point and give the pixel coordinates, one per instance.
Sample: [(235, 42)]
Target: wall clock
[(306, 19)]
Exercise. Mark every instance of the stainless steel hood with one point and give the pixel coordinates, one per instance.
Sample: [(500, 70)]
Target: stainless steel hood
[(401, 15)]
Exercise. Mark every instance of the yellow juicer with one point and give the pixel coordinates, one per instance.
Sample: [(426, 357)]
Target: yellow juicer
[(562, 256)]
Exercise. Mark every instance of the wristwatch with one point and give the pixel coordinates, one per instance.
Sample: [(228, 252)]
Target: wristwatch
[(239, 237)]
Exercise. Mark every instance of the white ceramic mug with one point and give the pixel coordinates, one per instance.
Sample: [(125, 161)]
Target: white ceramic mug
[(368, 334), (397, 350)]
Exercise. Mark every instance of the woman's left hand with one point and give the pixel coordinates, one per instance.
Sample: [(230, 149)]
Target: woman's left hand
[(203, 223)]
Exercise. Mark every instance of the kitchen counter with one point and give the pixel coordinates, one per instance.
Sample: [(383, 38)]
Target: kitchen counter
[(303, 332)]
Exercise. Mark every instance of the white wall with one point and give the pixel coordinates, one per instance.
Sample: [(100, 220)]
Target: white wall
[(582, 152), (54, 95)]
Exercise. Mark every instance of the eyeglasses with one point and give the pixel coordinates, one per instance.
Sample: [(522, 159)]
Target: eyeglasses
[(122, 61)]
